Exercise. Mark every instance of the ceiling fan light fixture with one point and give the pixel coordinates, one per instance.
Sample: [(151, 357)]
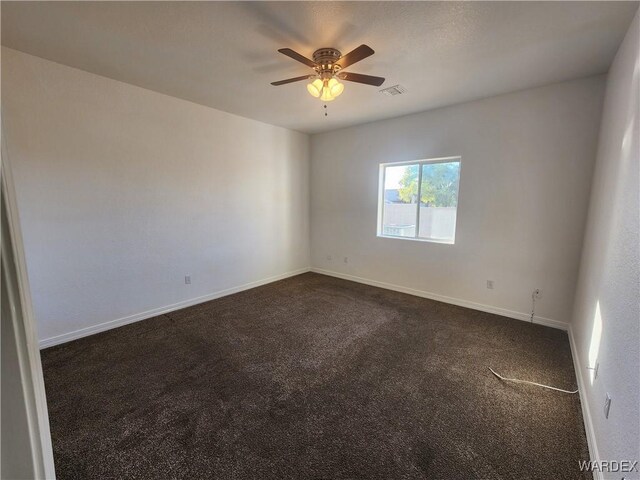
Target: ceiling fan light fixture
[(326, 94), (335, 87), (328, 65), (315, 87)]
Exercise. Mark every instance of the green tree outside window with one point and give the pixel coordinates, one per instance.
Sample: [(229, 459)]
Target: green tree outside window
[(439, 184)]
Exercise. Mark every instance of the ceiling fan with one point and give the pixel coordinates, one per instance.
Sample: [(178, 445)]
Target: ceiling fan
[(328, 64)]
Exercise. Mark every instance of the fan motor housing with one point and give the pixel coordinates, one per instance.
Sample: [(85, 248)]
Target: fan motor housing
[(326, 59)]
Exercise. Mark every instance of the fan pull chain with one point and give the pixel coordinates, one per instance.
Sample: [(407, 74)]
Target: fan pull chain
[(325, 109)]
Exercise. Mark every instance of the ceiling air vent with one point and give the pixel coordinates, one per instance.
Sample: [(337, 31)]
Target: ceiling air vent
[(395, 90)]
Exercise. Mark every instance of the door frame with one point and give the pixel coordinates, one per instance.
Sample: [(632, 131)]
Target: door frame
[(24, 324)]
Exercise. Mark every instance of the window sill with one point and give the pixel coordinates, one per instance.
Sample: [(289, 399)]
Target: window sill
[(413, 239)]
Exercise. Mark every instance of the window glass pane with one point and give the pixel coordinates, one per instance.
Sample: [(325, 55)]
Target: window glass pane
[(439, 201), (400, 201)]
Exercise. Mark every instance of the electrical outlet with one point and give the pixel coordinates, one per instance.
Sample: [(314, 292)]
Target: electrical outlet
[(187, 280), (490, 284), (607, 405), (537, 293)]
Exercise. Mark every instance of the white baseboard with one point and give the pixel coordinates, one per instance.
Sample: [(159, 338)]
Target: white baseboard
[(578, 366), (101, 327), (454, 301)]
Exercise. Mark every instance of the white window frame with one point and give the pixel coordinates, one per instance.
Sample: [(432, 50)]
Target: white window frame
[(381, 182)]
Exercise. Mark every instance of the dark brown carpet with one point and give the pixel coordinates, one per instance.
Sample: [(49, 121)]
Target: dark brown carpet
[(315, 378)]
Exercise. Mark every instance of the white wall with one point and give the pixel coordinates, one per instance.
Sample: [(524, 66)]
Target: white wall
[(527, 161), (606, 320), (123, 191)]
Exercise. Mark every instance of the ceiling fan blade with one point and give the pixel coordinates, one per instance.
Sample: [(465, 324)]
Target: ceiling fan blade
[(360, 78), (363, 51), (291, 80), (296, 56)]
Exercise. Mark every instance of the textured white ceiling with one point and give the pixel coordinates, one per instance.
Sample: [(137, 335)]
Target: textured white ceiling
[(224, 54)]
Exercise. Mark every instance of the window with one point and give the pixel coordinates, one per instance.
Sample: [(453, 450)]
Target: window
[(419, 200)]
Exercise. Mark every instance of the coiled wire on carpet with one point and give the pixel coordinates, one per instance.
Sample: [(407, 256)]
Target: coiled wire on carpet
[(530, 383)]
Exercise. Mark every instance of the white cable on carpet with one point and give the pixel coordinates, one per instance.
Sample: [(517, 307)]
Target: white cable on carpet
[(531, 383)]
